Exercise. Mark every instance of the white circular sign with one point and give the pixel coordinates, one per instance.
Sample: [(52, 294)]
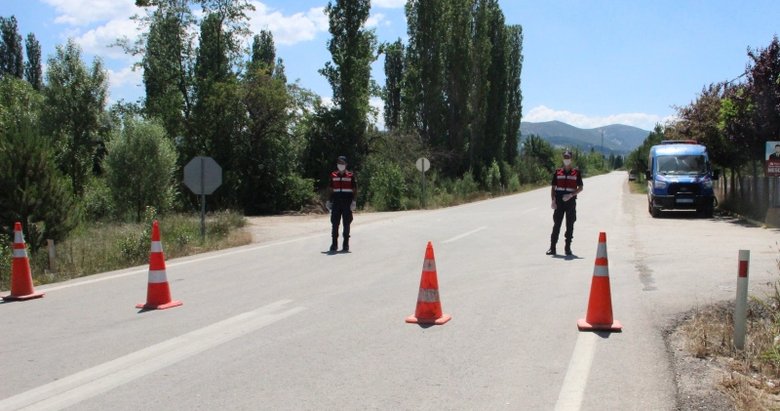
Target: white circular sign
[(423, 164)]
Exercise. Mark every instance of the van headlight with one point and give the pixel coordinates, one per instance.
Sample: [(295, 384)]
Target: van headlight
[(707, 183), (659, 184)]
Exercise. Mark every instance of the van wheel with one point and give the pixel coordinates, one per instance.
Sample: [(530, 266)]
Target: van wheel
[(707, 211), (652, 210)]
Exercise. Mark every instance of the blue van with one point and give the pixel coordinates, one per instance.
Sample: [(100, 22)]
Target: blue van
[(680, 177)]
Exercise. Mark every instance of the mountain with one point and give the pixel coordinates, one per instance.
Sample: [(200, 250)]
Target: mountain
[(617, 138)]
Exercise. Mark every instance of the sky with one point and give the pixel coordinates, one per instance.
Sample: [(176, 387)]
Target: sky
[(588, 63)]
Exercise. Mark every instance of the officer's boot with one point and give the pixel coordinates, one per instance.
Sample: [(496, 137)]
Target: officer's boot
[(551, 251), (568, 248), (334, 245), (345, 247)]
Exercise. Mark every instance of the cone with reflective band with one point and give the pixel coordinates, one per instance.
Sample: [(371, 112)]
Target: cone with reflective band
[(428, 305), (21, 276), (599, 316), (158, 293)]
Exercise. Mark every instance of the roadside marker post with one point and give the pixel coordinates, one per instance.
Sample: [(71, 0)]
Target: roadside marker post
[(740, 306)]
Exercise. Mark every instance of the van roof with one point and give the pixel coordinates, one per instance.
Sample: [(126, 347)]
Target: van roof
[(673, 149)]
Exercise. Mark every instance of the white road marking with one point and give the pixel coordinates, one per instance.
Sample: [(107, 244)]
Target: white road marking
[(456, 238), (94, 381), (573, 389)]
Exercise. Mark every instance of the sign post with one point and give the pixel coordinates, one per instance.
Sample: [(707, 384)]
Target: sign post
[(423, 164), (202, 175)]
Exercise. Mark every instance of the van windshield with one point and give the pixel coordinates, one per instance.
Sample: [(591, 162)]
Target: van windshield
[(682, 165)]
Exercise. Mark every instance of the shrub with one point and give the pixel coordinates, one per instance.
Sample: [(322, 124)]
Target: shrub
[(387, 187)]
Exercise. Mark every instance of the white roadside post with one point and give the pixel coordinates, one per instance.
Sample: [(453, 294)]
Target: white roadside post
[(740, 308)]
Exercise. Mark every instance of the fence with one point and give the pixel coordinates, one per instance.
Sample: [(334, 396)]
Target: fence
[(757, 198)]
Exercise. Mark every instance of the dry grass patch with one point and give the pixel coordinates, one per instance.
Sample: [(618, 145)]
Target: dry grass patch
[(750, 377)]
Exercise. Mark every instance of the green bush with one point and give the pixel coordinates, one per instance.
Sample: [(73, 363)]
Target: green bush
[(493, 177), (387, 187), (298, 192), (96, 202)]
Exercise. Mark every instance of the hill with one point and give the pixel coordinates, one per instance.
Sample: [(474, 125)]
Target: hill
[(617, 138)]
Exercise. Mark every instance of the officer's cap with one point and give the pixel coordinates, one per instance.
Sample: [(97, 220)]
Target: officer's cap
[(567, 154), (342, 159)]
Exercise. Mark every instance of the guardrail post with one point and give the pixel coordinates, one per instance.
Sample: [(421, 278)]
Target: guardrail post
[(740, 307)]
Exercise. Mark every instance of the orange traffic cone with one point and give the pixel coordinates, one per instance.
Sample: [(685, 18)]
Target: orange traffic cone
[(21, 276), (428, 306), (599, 316), (158, 294)]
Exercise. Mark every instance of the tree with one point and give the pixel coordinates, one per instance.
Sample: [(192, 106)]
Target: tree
[(457, 89), (140, 167), (425, 108), (514, 94), (32, 189), (167, 62), (352, 50), (764, 88), (75, 111), (11, 57), (32, 67), (267, 155), (394, 73), (495, 124)]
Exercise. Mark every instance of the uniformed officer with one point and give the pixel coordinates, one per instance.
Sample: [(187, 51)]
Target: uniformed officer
[(566, 184), (343, 192)]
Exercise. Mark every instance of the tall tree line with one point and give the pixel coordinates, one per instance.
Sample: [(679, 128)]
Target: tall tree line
[(460, 77)]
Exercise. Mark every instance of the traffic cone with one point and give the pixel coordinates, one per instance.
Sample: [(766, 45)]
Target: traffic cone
[(158, 294), (599, 316), (428, 306), (21, 276)]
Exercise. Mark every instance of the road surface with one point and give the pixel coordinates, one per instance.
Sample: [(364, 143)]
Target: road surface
[(282, 325)]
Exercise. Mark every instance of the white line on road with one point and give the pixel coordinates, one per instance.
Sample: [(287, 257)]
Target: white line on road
[(85, 384), (570, 396), (456, 238)]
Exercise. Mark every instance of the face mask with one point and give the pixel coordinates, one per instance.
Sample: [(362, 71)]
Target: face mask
[(566, 162), (341, 167)]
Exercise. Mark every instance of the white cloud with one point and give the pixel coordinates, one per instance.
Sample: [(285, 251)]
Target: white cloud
[(99, 40), (375, 20), (125, 77), (83, 12), (642, 120), (288, 30), (389, 4), (379, 105)]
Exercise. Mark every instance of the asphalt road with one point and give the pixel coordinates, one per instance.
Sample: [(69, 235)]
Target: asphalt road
[(285, 326)]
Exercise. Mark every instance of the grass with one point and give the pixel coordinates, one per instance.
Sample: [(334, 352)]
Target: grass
[(101, 247), (752, 375)]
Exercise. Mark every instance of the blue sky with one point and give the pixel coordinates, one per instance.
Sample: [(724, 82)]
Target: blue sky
[(587, 63)]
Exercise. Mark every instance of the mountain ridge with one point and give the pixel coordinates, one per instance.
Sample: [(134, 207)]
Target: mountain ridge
[(617, 139)]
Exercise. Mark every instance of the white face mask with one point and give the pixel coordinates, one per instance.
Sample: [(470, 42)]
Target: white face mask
[(341, 167), (566, 162)]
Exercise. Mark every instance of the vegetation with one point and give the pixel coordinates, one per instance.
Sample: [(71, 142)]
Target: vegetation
[(452, 94)]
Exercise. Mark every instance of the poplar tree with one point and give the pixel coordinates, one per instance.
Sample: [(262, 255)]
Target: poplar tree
[(425, 108), (514, 94), (352, 49), (11, 57), (458, 74), (394, 73), (33, 72)]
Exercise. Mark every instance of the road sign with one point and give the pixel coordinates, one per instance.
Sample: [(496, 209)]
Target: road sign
[(423, 164), (202, 175)]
